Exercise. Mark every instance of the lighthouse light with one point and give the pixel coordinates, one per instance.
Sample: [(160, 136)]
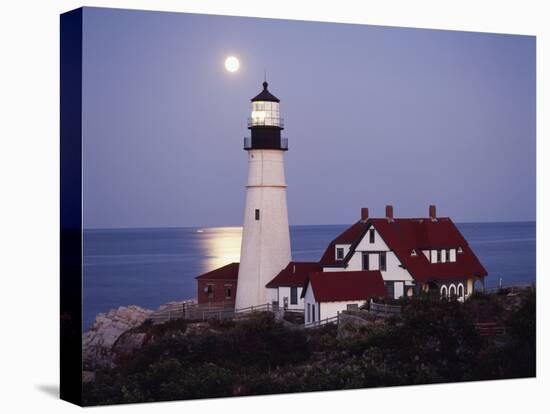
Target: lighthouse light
[(265, 114)]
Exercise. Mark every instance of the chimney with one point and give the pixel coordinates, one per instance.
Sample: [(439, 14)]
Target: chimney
[(364, 214), (389, 213), (433, 215)]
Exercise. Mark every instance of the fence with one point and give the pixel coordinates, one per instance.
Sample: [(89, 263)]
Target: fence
[(213, 310), (195, 311), (266, 307), (511, 287), (334, 319), (384, 308)]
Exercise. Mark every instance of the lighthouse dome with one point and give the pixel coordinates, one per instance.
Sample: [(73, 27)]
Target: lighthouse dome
[(265, 95)]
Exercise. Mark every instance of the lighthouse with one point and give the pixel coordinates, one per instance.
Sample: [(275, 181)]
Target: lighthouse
[(265, 246)]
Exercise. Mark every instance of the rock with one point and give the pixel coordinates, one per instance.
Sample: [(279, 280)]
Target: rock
[(197, 328), (127, 344), (112, 338), (97, 343)]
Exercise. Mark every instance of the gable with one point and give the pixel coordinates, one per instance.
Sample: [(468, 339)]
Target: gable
[(365, 242)]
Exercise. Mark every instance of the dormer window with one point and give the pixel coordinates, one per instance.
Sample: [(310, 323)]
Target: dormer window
[(459, 250), (452, 255), (339, 253), (413, 252)]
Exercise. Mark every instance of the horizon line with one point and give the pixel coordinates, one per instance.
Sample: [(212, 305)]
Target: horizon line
[(291, 225)]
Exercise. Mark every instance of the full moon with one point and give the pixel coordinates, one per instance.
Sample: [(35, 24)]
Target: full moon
[(232, 64)]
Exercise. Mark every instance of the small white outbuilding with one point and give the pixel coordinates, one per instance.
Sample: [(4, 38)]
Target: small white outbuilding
[(327, 293)]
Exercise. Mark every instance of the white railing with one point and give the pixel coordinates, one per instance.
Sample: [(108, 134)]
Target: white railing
[(218, 310), (334, 319), (384, 308), (266, 307), (513, 287)]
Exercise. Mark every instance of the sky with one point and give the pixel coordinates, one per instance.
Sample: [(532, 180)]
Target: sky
[(374, 115)]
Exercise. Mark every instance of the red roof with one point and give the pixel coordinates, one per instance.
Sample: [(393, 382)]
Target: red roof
[(349, 236), (403, 235), (294, 274), (344, 286), (227, 272)]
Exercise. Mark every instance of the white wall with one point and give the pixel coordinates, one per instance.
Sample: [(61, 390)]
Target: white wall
[(272, 294), (309, 299), (378, 244), (265, 247), (284, 291), (327, 309), (334, 269), (331, 309), (393, 272)]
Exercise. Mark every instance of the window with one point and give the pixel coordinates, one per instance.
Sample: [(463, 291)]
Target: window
[(390, 289), (452, 291), (443, 291), (365, 261), (371, 236), (339, 253), (228, 292), (293, 295), (352, 307), (313, 313), (438, 260), (382, 261), (209, 290), (452, 255), (309, 312), (460, 291), (257, 214)]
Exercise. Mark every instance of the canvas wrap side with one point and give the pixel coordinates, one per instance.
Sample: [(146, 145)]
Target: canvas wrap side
[(71, 206)]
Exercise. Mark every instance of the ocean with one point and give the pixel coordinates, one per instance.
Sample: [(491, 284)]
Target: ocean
[(149, 267)]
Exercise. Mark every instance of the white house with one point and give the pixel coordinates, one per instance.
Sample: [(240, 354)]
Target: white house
[(412, 254), (327, 293), (401, 256), (286, 288)]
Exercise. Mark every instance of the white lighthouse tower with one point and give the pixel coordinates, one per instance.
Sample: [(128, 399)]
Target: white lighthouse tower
[(265, 248)]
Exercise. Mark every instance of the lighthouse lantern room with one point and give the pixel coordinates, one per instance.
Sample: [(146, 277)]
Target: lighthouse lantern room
[(265, 246), (265, 123)]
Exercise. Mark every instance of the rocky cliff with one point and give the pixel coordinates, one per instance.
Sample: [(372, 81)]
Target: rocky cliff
[(116, 334), (99, 341)]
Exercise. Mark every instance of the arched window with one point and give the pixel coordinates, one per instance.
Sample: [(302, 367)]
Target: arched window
[(443, 291), (452, 290), (460, 291)]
